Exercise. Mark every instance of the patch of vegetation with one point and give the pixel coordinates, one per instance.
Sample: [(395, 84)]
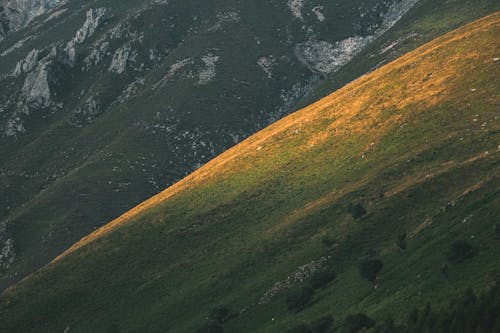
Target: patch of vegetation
[(468, 313), (219, 315), (357, 211), (299, 298), (496, 229), (210, 327), (401, 241), (357, 322), (322, 277), (370, 268), (300, 328), (323, 324), (460, 251)]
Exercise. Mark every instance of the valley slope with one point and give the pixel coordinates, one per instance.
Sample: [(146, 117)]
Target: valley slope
[(105, 103), (410, 149)]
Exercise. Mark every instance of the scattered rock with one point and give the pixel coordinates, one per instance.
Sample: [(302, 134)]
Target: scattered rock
[(302, 273), (27, 64), (207, 74), (267, 64), (121, 58), (296, 7)]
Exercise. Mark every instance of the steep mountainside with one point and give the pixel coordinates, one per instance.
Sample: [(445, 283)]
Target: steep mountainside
[(395, 175), (104, 103)]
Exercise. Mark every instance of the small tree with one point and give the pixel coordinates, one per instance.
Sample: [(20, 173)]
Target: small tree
[(445, 270), (460, 251), (322, 277), (298, 299), (401, 241), (358, 322), (113, 328), (219, 315), (322, 324), (211, 327), (357, 211), (300, 328), (369, 269), (496, 228)]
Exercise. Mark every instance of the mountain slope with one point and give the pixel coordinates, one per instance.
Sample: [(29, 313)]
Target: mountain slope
[(104, 103), (411, 149)]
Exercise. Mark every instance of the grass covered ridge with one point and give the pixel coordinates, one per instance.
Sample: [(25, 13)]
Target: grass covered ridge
[(409, 149)]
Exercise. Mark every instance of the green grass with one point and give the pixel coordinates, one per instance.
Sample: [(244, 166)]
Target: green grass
[(228, 232)]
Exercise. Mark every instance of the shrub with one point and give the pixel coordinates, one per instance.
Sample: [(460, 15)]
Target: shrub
[(298, 299), (357, 211), (113, 328), (357, 322), (322, 277), (327, 241), (219, 315), (445, 270), (211, 327), (300, 328), (401, 241), (460, 251), (497, 230), (322, 324), (370, 268)]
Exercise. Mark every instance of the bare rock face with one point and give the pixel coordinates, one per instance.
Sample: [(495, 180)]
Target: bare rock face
[(7, 254), (36, 88), (7, 248), (15, 14), (27, 64), (324, 57), (121, 58), (95, 17)]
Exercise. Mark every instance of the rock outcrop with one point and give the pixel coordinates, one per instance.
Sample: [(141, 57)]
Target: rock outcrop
[(15, 14)]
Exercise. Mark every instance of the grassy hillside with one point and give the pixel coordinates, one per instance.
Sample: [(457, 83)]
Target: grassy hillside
[(129, 115), (110, 140), (399, 166)]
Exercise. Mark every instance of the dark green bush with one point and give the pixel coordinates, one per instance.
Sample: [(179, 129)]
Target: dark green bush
[(496, 228), (401, 241), (327, 241), (369, 269), (357, 322), (357, 211), (460, 251), (211, 327), (298, 299), (113, 328), (322, 277), (300, 328), (322, 324), (468, 313), (219, 315)]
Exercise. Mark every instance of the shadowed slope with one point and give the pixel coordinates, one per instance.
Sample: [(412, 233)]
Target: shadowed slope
[(414, 143)]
